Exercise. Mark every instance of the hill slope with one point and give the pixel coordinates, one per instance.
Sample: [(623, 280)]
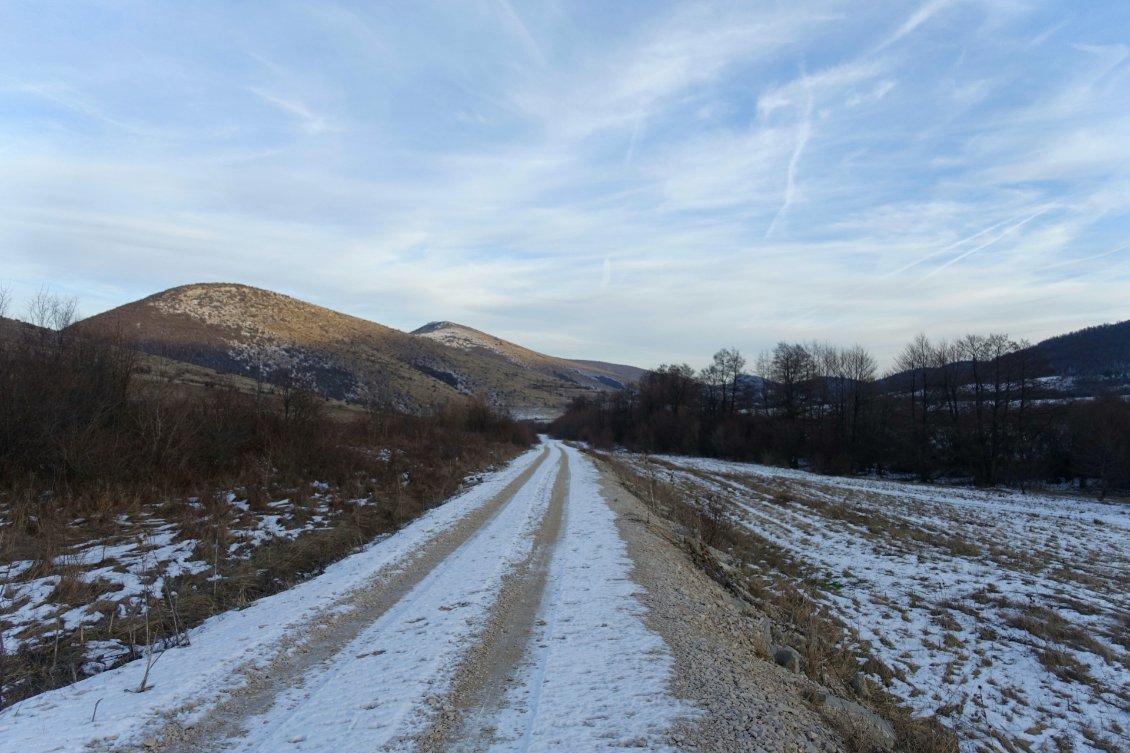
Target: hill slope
[(592, 374), (271, 337), (1094, 351), (13, 331)]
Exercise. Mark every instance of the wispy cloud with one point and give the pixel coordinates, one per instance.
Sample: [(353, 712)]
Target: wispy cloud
[(309, 121), (924, 13), (67, 97), (639, 182)]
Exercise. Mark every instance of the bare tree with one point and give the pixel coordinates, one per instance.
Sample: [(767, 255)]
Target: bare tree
[(917, 363), (669, 388), (791, 367), (997, 379), (51, 314), (1100, 441), (856, 377), (729, 363), (828, 388), (5, 299), (52, 311), (713, 388)]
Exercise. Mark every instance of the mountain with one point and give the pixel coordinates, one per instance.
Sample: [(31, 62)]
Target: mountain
[(591, 374), (270, 337)]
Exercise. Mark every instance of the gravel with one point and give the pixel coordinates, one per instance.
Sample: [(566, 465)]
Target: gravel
[(722, 664)]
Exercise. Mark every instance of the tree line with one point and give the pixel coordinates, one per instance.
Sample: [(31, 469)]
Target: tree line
[(972, 408)]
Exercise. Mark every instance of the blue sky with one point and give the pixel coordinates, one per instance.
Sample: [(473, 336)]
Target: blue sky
[(642, 182)]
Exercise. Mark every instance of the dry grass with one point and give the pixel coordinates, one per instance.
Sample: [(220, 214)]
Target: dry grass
[(436, 455), (1049, 626), (98, 446), (1064, 665), (1110, 743)]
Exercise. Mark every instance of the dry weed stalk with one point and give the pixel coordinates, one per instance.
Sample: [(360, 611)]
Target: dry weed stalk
[(144, 684)]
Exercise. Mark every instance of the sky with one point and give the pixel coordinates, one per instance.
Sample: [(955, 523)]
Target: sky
[(639, 182)]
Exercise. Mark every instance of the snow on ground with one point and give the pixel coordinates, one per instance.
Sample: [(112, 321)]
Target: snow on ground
[(1004, 614), (463, 338), (131, 564), (61, 720), (379, 692)]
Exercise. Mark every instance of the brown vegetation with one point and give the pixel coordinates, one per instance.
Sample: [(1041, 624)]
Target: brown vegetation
[(86, 447)]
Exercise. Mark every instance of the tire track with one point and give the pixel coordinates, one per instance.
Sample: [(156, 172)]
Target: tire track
[(489, 668), (334, 628)]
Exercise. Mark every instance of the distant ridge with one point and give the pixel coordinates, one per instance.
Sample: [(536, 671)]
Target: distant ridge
[(1092, 351), (1084, 363)]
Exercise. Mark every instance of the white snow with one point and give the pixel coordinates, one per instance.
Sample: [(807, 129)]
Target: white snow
[(607, 673), (375, 692), (463, 338), (135, 562)]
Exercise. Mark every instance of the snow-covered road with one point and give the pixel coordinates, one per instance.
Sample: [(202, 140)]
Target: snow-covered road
[(502, 620)]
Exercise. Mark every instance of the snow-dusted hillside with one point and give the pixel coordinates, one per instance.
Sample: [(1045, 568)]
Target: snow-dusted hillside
[(274, 338)]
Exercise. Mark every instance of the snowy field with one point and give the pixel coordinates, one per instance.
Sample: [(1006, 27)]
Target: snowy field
[(1007, 615)]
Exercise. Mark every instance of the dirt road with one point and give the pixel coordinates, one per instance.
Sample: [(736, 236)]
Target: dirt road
[(541, 610), (514, 629)]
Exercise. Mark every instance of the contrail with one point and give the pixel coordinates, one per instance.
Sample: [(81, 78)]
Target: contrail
[(1073, 262), (953, 245), (987, 243), (518, 26), (804, 131), (919, 17)]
